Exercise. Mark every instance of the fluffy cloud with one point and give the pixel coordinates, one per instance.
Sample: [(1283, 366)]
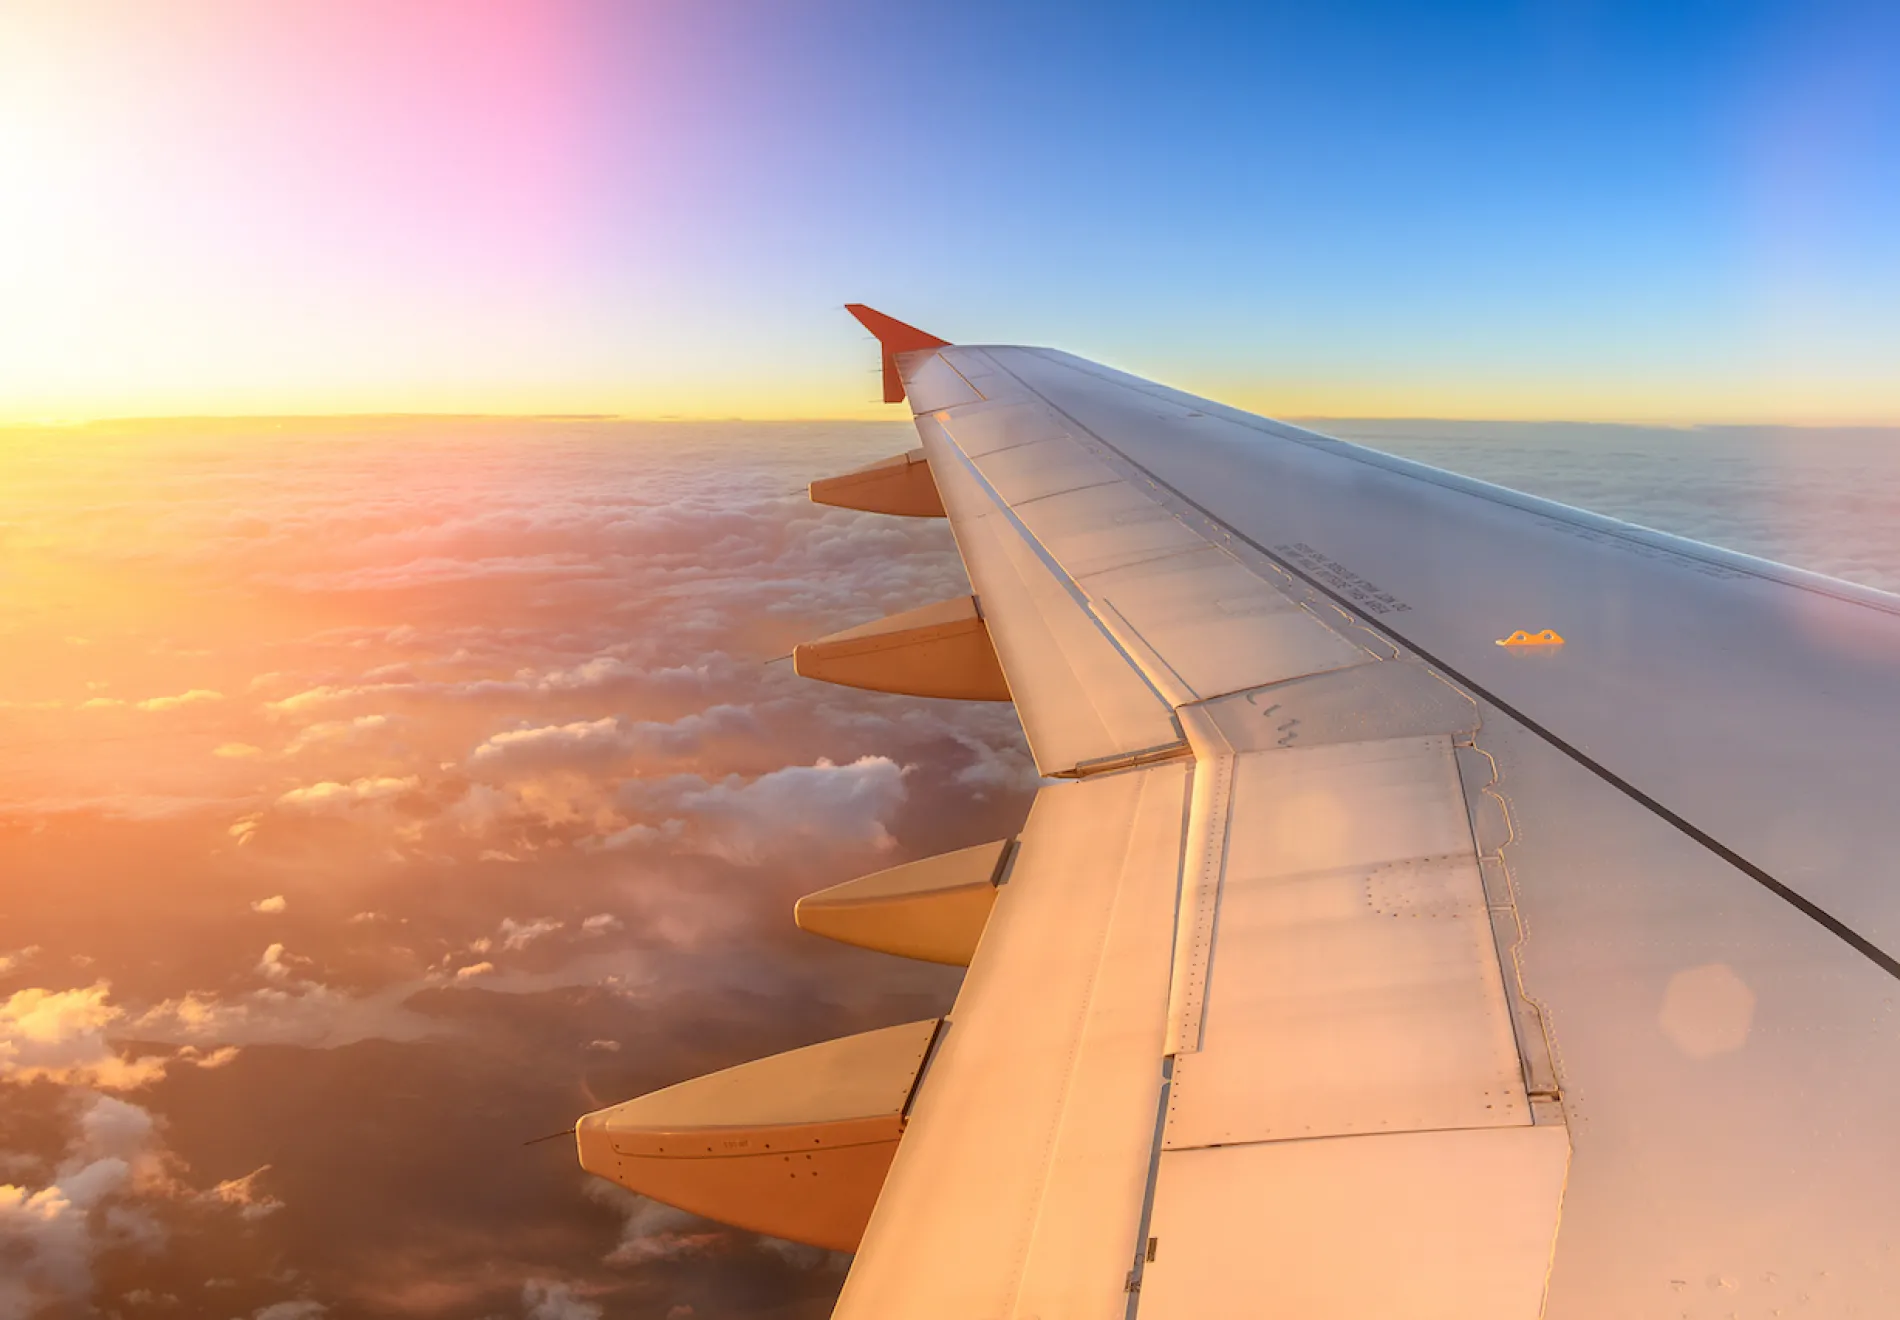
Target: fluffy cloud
[(520, 934), (601, 923), (47, 1235), (442, 571), (335, 731), (60, 1035), (544, 1299), (333, 796), (602, 675), (736, 818), (297, 1310), (474, 970), (650, 1231), (275, 903), (274, 966), (639, 835), (195, 697), (101, 1196), (743, 820), (603, 741), (566, 742), (288, 1012), (315, 698)]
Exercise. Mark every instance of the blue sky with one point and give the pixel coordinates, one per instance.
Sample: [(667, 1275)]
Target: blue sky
[(1543, 210)]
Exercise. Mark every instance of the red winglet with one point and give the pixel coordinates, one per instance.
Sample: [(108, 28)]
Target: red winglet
[(894, 337)]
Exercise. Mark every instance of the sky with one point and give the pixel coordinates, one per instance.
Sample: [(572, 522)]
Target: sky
[(1547, 210)]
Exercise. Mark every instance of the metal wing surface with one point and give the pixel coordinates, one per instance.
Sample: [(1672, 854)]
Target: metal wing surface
[(1444, 903)]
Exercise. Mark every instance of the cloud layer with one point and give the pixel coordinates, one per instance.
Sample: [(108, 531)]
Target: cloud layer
[(461, 799)]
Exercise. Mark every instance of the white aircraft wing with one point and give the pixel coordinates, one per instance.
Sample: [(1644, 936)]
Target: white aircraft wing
[(1445, 903)]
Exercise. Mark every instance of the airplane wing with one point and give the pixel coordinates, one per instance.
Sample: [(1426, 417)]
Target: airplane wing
[(1444, 902)]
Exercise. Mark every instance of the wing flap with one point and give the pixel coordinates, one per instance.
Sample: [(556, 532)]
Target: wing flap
[(1354, 985), (1019, 1186), (1421, 1225)]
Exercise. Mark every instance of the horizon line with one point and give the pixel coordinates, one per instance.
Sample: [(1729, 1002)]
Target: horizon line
[(42, 423)]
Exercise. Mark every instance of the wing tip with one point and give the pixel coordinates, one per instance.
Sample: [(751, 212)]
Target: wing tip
[(893, 337), (893, 334)]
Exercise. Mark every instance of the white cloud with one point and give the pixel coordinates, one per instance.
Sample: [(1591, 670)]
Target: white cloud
[(298, 1310), (520, 934), (474, 970), (207, 1058), (328, 695), (565, 740), (638, 836), (596, 675), (136, 1297), (601, 923), (50, 1236), (649, 1230), (439, 570), (544, 1299), (47, 1237), (1005, 769), (333, 731), (292, 1012), (331, 795), (195, 697), (275, 903), (18, 958), (60, 1035), (274, 966), (593, 742), (744, 820), (589, 675)]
